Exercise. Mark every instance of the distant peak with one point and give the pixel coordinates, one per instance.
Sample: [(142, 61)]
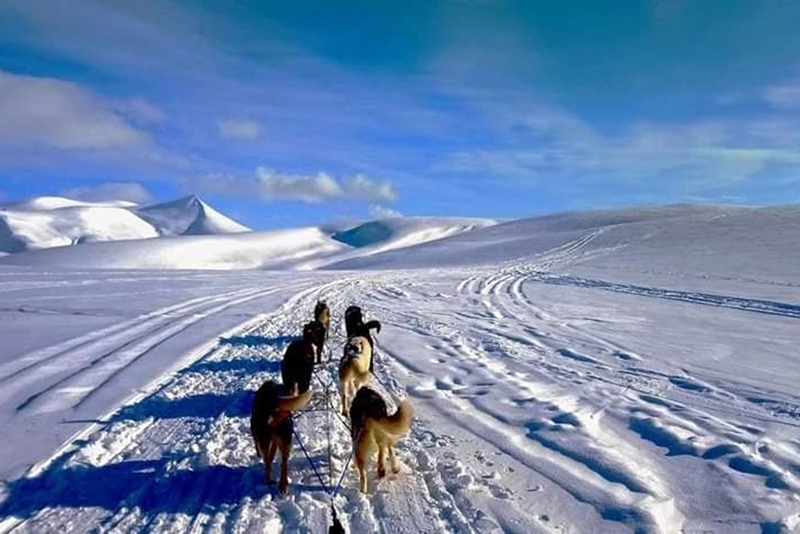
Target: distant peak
[(190, 199)]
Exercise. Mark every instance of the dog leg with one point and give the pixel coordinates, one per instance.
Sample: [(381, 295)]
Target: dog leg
[(381, 460), (393, 458), (271, 448), (362, 471), (344, 398), (283, 485)]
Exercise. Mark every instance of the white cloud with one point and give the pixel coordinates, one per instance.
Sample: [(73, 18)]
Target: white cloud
[(244, 129), (54, 113), (130, 191), (268, 184), (309, 188), (381, 212), (697, 154), (361, 187), (784, 96)]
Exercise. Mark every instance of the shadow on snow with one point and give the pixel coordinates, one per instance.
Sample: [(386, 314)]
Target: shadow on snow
[(156, 486)]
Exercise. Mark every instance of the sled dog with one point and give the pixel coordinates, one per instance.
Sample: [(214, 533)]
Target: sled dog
[(355, 326), (271, 427), (315, 333), (354, 369), (322, 313), (371, 426), (298, 365)]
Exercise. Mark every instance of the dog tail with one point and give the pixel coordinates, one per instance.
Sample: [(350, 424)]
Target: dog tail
[(399, 423), (373, 325), (295, 402)]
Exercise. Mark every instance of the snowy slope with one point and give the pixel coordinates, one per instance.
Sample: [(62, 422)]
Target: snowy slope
[(22, 229), (615, 373), (398, 232), (47, 203), (691, 238), (46, 222), (302, 248), (251, 250)]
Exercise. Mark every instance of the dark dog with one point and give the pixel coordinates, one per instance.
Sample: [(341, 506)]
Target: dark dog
[(271, 426), (315, 333), (371, 426), (355, 326), (298, 366), (323, 314)]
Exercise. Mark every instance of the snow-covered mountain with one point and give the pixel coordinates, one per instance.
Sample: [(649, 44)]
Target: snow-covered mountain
[(298, 248), (46, 222), (189, 216)]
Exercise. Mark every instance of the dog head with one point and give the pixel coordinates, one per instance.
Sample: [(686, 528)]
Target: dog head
[(354, 347), (353, 314), (321, 312)]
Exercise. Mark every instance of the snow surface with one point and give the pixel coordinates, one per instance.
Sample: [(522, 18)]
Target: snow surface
[(618, 371)]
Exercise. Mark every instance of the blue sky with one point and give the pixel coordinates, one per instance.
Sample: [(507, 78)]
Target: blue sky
[(292, 113)]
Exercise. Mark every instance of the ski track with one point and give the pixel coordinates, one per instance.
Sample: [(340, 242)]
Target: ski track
[(525, 421)]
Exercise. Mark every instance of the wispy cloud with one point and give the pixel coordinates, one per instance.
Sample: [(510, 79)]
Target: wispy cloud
[(130, 191), (377, 211), (268, 184), (783, 96), (244, 129), (59, 114), (550, 145)]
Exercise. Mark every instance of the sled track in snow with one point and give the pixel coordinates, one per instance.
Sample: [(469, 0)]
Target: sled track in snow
[(181, 457), (526, 421), (74, 370), (769, 307)]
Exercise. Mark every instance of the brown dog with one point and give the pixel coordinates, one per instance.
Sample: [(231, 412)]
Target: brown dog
[(271, 426), (371, 426)]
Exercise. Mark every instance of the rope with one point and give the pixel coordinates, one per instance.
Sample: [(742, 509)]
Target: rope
[(310, 461), (326, 387), (347, 465)]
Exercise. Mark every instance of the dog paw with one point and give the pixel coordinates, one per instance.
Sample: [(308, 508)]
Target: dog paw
[(381, 472), (395, 469), (283, 488)]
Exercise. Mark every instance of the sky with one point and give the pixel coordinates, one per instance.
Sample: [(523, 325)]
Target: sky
[(291, 113)]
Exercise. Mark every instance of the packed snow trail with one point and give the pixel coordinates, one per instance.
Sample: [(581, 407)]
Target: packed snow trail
[(540, 408)]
